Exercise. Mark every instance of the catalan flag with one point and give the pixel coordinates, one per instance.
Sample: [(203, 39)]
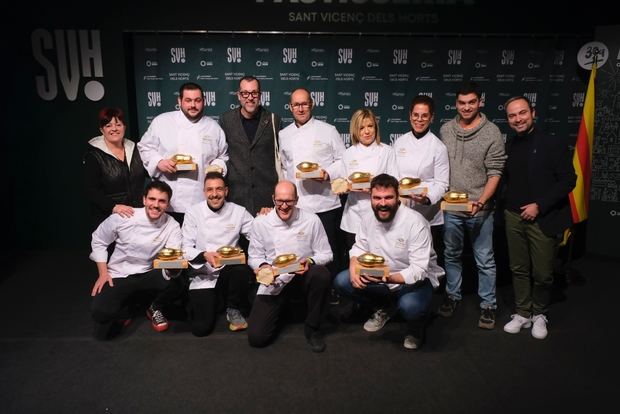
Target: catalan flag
[(582, 159)]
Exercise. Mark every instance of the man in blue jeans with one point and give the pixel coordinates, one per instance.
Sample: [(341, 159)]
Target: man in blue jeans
[(402, 236), (477, 157)]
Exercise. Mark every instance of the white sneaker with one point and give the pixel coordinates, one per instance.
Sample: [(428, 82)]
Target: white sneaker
[(376, 321), (517, 322), (539, 330), (411, 342)]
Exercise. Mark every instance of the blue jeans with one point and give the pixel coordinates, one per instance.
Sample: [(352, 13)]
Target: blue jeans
[(480, 232), (413, 301)]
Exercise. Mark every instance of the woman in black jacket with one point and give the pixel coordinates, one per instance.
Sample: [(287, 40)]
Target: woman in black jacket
[(114, 174)]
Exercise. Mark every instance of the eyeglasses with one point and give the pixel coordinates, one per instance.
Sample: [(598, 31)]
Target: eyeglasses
[(423, 117), (280, 203), (246, 94), (301, 105)]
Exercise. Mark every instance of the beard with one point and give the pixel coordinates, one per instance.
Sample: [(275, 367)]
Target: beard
[(391, 210)]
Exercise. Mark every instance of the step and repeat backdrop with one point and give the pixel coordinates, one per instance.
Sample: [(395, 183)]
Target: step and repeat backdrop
[(347, 72)]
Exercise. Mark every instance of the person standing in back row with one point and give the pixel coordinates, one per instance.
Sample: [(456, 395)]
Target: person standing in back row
[(477, 157)]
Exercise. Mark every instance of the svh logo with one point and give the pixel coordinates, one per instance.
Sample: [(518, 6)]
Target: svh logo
[(371, 99), (318, 98), (455, 56), (74, 50), (483, 98), (209, 97), (289, 55), (177, 54), (508, 57), (233, 54), (532, 97), (578, 99), (154, 98), (429, 94), (400, 56), (265, 98), (558, 59), (345, 55), (346, 138), (393, 138)]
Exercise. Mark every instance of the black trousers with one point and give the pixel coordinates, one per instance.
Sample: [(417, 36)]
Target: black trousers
[(110, 305), (232, 286), (331, 223), (314, 287)]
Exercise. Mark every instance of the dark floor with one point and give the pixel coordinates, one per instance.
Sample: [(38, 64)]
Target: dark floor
[(49, 362)]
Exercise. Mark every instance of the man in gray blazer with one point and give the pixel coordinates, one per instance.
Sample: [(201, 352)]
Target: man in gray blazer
[(250, 130)]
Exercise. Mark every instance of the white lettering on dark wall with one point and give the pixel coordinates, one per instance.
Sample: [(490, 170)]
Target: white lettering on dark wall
[(68, 56)]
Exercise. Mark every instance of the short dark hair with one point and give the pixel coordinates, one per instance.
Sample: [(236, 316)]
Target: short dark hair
[(214, 175), (158, 185), (190, 86), (424, 100), (249, 78), (517, 98), (468, 87), (108, 113), (384, 181)]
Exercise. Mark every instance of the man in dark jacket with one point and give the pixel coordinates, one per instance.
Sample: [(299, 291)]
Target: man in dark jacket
[(539, 176), (249, 131)]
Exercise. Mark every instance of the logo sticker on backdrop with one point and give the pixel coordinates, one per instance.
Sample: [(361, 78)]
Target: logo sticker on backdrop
[(209, 97), (69, 59), (318, 97), (591, 52), (177, 54), (233, 55), (265, 98), (153, 99)]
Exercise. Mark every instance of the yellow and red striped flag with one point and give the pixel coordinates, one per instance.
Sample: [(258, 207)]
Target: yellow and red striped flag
[(582, 159)]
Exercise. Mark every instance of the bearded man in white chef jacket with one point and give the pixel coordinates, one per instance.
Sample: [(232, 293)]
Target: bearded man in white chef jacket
[(186, 131), (289, 230), (138, 239), (401, 236)]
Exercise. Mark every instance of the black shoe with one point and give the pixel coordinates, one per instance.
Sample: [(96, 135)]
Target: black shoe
[(487, 319), (314, 340), (448, 307)]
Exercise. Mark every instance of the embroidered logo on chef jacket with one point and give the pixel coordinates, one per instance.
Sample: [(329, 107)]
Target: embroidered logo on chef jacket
[(301, 236), (402, 152), (229, 227), (354, 164), (206, 139), (400, 243)]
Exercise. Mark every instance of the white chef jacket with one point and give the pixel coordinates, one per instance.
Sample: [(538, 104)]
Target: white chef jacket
[(315, 141), (172, 133), (425, 158), (303, 234), (374, 159), (138, 241), (205, 230), (405, 243)]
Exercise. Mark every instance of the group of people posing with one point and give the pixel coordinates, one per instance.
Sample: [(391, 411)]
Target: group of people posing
[(246, 191)]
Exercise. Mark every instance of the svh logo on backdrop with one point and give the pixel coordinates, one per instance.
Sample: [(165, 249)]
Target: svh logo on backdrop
[(532, 97), (318, 97), (345, 56), (177, 54), (400, 56), (265, 98), (578, 99), (209, 97), (68, 56), (371, 99), (233, 55), (346, 138), (508, 57), (289, 55), (153, 98), (455, 56)]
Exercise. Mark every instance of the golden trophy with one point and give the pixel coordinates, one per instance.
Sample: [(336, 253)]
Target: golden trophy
[(308, 169), (456, 201), (360, 180), (229, 255), (284, 263), (214, 168), (184, 162), (169, 258), (409, 186), (372, 265)]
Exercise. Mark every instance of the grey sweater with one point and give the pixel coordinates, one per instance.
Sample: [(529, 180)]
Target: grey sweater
[(475, 155)]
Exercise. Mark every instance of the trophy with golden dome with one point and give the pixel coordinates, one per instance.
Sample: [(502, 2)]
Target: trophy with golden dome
[(229, 255), (372, 265), (170, 258), (409, 186), (184, 162), (307, 169), (456, 201), (283, 263)]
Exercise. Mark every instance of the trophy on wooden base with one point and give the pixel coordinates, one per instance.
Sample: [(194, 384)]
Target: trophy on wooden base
[(372, 265), (409, 186), (214, 168), (184, 162), (169, 258), (229, 255), (309, 170), (456, 201), (360, 180), (284, 263)]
